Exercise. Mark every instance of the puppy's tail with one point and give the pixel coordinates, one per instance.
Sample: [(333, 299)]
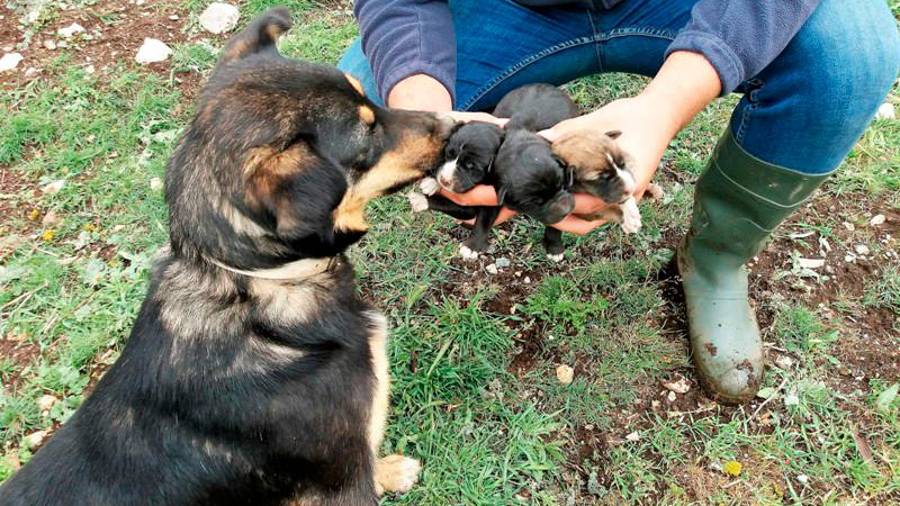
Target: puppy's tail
[(259, 36)]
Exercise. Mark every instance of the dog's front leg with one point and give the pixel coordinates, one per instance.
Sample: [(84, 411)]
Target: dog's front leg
[(394, 473), (481, 234)]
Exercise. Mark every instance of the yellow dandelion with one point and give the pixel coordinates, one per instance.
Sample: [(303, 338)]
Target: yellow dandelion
[(733, 468), (34, 215), (48, 235)]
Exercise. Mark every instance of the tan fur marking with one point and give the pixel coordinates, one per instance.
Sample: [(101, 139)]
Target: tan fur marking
[(366, 114), (274, 31), (587, 152), (404, 164), (378, 348), (356, 84)]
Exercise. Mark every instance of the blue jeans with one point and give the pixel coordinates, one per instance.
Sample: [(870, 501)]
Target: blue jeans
[(805, 111)]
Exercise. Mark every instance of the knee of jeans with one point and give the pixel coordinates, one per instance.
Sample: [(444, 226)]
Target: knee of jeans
[(847, 54)]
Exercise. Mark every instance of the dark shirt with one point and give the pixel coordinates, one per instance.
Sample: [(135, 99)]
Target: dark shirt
[(738, 37)]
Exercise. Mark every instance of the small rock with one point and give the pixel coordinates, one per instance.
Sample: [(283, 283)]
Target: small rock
[(784, 362), (876, 220), (655, 404), (50, 44), (219, 17), (671, 397), (50, 219), (849, 258), (173, 17), (502, 263), (849, 226), (802, 478), (861, 249), (565, 374), (886, 111), (810, 263), (634, 436), (491, 268), (152, 51), (10, 61), (53, 187), (46, 402), (31, 72), (35, 439), (527, 280), (156, 184), (89, 69), (70, 31), (791, 399), (679, 386)]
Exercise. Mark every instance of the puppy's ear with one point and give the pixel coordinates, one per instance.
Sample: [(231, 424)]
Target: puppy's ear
[(501, 195), (614, 134), (260, 35), (561, 205)]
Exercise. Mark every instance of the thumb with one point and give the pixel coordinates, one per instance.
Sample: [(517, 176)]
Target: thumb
[(551, 134)]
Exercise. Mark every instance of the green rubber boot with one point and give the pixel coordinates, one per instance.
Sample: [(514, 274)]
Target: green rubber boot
[(738, 201)]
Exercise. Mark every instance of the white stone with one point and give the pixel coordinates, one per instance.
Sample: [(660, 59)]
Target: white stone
[(50, 44), (502, 263), (10, 61), (634, 436), (861, 249), (152, 51), (886, 111), (70, 31), (219, 17), (810, 263), (679, 386), (156, 184), (565, 374), (671, 397), (46, 402), (802, 478), (54, 187), (35, 439), (173, 17), (784, 362), (876, 220), (492, 269)]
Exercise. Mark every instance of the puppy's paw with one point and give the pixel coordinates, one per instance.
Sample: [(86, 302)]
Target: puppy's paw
[(655, 191), (429, 186), (467, 253), (396, 473), (555, 258), (631, 216), (417, 202)]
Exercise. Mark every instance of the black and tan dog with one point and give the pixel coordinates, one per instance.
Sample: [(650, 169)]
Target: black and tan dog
[(254, 374)]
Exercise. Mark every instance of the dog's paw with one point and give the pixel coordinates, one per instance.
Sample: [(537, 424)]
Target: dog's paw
[(467, 253), (555, 258), (429, 186), (655, 191), (396, 473), (631, 217), (417, 202)]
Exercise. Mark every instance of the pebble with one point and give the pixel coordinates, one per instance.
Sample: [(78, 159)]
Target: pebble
[(527, 280), (50, 219), (502, 262), (861, 249), (849, 226), (491, 268), (173, 17), (50, 44), (849, 258), (565, 374), (876, 220), (679, 386), (35, 439), (886, 111), (70, 31), (10, 61), (671, 397), (810, 263), (634, 436), (156, 184), (54, 187), (152, 51), (46, 402), (219, 17), (802, 478)]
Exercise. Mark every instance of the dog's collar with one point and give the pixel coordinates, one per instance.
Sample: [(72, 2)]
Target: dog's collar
[(298, 269)]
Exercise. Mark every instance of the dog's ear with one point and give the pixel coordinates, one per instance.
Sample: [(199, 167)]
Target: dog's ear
[(561, 205), (260, 35), (296, 189), (614, 134), (501, 195)]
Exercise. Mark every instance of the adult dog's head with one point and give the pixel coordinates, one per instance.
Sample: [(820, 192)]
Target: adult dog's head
[(283, 155)]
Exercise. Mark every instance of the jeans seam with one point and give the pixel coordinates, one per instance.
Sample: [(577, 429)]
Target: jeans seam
[(661, 33), (513, 70), (748, 111)]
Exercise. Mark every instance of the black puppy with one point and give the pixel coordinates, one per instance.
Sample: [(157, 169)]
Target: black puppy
[(254, 373)]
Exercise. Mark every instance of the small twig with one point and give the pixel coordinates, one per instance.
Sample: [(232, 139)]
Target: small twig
[(771, 397)]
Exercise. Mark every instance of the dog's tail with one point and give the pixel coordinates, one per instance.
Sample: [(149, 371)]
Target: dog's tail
[(259, 36)]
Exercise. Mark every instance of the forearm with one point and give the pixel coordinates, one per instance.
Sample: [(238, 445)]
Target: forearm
[(684, 85), (420, 92)]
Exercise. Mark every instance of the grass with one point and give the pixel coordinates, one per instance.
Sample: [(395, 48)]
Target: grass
[(488, 429)]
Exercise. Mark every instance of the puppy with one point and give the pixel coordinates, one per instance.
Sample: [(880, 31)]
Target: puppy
[(254, 373), (527, 176), (602, 169)]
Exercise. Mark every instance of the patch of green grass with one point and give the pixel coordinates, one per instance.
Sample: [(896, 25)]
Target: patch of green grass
[(884, 291)]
